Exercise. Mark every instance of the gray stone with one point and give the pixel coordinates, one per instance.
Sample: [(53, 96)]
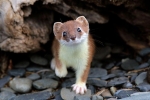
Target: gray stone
[(144, 51), (124, 93), (45, 95), (22, 64), (57, 95), (4, 81), (17, 72), (129, 64), (92, 88), (110, 65), (127, 85), (97, 72), (118, 73), (108, 76), (97, 97), (34, 68), (67, 94), (68, 82), (96, 63), (117, 81), (143, 87), (144, 65), (80, 97), (7, 89), (49, 74), (138, 59), (140, 78), (97, 82), (39, 60), (6, 95), (133, 77), (45, 83), (21, 85), (34, 76)]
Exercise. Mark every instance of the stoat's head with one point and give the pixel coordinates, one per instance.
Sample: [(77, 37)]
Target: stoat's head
[(71, 32)]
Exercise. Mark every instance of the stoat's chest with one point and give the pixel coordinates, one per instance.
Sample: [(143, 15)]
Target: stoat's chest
[(74, 55)]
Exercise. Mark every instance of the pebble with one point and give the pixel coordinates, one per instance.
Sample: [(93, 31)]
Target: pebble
[(92, 88), (34, 68), (97, 82), (34, 76), (44, 95), (6, 95), (7, 89), (97, 97), (138, 59), (108, 76), (133, 77), (124, 93), (45, 83), (57, 95), (140, 78), (21, 85), (117, 81), (68, 82), (93, 72), (118, 73), (4, 81), (144, 51), (80, 97), (22, 64), (127, 85), (144, 65), (39, 60), (17, 72), (129, 64), (110, 65), (113, 90), (49, 74), (67, 94), (143, 87)]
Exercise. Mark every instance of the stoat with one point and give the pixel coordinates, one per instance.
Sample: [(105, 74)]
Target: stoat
[(73, 47)]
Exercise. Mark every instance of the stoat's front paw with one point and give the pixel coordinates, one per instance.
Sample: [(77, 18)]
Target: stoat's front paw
[(79, 88), (61, 72)]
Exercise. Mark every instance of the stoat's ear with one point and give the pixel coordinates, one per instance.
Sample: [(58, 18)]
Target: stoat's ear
[(82, 20), (56, 27)]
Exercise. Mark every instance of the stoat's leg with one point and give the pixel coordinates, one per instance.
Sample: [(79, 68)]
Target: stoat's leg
[(60, 68), (81, 76)]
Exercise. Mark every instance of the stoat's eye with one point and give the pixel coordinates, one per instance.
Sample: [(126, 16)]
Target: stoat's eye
[(64, 34), (79, 29)]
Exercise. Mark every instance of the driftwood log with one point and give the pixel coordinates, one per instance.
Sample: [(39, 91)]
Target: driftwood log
[(26, 24)]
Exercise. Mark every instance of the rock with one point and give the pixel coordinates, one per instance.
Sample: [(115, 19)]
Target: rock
[(143, 87), (117, 81), (68, 82), (39, 60), (45, 83), (67, 94), (7, 89), (17, 72), (145, 96), (102, 52), (129, 64), (6, 95), (97, 72), (97, 97), (57, 95), (96, 82), (112, 99), (34, 76), (4, 81), (45, 95), (127, 85), (80, 97), (140, 78), (96, 63), (22, 64), (92, 88), (34, 68), (144, 65), (133, 77), (108, 76), (49, 74), (110, 65), (21, 85), (124, 93), (118, 73), (144, 51), (113, 90), (138, 59)]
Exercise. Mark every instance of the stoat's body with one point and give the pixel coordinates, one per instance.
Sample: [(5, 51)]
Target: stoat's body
[(73, 47)]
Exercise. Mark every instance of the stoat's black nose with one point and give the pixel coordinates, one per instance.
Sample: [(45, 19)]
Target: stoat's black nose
[(73, 38)]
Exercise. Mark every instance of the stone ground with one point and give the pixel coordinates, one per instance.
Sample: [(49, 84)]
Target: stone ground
[(114, 75)]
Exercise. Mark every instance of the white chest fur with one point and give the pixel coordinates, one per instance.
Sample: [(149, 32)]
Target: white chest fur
[(75, 55)]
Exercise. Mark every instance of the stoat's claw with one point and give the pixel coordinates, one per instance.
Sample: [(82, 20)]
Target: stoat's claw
[(79, 88)]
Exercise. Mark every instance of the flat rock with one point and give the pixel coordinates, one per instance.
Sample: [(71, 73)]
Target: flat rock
[(143, 87), (127, 85), (57, 95), (118, 73), (144, 65), (22, 64), (117, 81), (97, 97), (6, 95), (144, 51), (97, 82), (68, 82), (108, 76), (21, 85), (34, 76), (39, 60), (49, 74), (67, 94), (34, 68), (92, 88), (97, 72), (140, 78), (7, 89), (139, 59), (4, 81), (45, 95), (129, 64), (110, 65), (45, 83), (81, 97), (17, 72), (124, 93)]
